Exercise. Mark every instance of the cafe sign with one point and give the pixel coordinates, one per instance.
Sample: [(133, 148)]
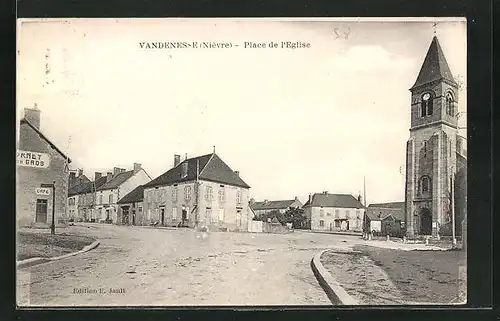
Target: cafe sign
[(42, 191), (32, 159)]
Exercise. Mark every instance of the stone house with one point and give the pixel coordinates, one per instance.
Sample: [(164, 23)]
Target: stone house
[(130, 207), (199, 192), (77, 184), (434, 152), (281, 206), (118, 184), (39, 162), (385, 219), (334, 212), (82, 198)]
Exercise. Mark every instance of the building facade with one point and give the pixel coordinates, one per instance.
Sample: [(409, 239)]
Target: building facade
[(130, 207), (198, 192), (334, 212), (39, 162), (434, 152), (119, 183), (385, 219), (264, 207), (77, 185)]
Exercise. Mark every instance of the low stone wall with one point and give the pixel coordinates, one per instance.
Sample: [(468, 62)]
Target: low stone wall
[(275, 228)]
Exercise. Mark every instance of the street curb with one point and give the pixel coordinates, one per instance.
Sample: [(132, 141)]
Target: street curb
[(39, 260), (331, 233), (334, 291)]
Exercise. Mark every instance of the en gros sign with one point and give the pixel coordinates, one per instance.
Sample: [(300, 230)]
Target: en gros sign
[(42, 191), (32, 159)]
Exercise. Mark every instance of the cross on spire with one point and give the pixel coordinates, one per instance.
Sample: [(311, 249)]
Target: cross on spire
[(434, 25)]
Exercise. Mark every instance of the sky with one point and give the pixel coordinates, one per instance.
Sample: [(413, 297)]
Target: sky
[(291, 121)]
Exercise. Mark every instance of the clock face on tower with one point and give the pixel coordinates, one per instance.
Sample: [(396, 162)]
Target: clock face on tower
[(426, 96)]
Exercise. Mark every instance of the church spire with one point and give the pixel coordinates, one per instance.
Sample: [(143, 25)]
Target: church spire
[(434, 67)]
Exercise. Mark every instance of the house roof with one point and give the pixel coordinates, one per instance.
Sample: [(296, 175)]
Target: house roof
[(434, 67), (86, 187), (389, 205), (136, 195), (25, 121), (334, 200), (79, 185), (116, 181), (211, 168), (378, 212), (272, 205)]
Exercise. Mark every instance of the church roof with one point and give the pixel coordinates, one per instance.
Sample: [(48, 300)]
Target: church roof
[(434, 67)]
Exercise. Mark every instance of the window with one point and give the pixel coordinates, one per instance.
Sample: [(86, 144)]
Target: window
[(110, 198), (425, 184), (238, 197), (174, 194), (358, 214), (187, 193), (337, 223), (321, 223), (426, 107), (321, 213), (208, 214), (337, 213), (347, 214), (329, 213), (222, 196), (209, 193), (140, 209), (450, 105), (100, 199), (357, 224), (174, 213), (424, 149), (149, 213), (221, 214)]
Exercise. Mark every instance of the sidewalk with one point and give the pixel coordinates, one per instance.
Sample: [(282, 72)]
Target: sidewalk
[(350, 233), (404, 246)]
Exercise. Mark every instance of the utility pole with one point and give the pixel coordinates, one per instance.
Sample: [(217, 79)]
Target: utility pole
[(196, 213), (364, 190), (452, 189), (53, 225)]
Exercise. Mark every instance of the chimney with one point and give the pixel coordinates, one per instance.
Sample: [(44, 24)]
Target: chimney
[(310, 199), (252, 200), (33, 116), (265, 201), (122, 170), (177, 160), (325, 192), (137, 167), (72, 178), (359, 198), (116, 171), (97, 175), (237, 173), (184, 169), (109, 176), (296, 198), (80, 172)]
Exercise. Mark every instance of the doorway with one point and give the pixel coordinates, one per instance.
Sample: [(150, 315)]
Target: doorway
[(425, 221), (133, 217), (41, 211), (238, 218), (162, 213)]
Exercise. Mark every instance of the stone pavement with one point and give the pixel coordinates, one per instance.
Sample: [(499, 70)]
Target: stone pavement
[(158, 267)]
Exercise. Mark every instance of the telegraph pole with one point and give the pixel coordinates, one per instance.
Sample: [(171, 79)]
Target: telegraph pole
[(53, 226), (452, 188)]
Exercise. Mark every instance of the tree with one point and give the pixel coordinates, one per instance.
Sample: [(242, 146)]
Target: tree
[(296, 216)]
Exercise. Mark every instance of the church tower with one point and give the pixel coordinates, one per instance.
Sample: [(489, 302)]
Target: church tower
[(431, 151)]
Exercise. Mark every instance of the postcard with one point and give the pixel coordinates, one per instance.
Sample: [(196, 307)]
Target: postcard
[(241, 162)]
